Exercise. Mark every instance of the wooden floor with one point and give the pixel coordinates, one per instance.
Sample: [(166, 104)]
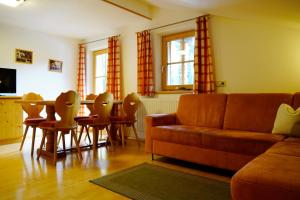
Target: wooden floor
[(23, 177)]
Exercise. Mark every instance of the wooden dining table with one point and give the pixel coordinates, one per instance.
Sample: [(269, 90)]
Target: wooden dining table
[(50, 110)]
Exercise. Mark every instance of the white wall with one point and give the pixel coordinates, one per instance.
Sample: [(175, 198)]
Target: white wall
[(249, 56), (36, 77), (253, 57)]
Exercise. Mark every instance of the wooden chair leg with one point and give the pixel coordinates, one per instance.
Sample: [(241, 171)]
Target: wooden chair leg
[(24, 136), (95, 138), (118, 129), (55, 147), (33, 140), (71, 145), (100, 134), (59, 138), (136, 135), (42, 144), (88, 134), (122, 133), (80, 133), (64, 142), (77, 143), (109, 136)]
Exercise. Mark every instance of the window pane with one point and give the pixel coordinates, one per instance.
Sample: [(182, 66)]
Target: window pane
[(101, 64), (189, 73), (174, 53), (100, 85), (189, 48), (174, 74)]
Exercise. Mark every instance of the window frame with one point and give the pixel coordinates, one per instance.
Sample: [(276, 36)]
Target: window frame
[(95, 54), (165, 40)]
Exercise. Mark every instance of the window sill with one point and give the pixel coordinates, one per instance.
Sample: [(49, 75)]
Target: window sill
[(175, 92)]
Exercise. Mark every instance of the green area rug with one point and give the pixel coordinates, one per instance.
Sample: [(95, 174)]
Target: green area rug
[(151, 182)]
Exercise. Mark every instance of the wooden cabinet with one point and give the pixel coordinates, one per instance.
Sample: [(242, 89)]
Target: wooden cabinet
[(11, 118)]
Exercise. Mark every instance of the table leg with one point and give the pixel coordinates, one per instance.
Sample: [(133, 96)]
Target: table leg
[(50, 135), (113, 129)]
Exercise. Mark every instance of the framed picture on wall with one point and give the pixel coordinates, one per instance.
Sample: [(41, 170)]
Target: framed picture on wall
[(23, 56), (55, 65)]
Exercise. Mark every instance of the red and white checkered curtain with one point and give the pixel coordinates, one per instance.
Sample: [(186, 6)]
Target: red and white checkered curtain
[(113, 84), (145, 68), (203, 66), (81, 75)]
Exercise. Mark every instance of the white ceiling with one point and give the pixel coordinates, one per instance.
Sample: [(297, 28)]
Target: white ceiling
[(70, 18), (281, 12), (89, 18)]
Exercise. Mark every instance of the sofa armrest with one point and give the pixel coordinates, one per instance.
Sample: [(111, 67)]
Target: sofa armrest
[(156, 120)]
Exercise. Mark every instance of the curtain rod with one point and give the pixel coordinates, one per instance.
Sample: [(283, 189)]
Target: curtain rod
[(98, 40), (127, 9), (163, 26)]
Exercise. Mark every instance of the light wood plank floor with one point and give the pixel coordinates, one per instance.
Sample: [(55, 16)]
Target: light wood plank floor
[(23, 177)]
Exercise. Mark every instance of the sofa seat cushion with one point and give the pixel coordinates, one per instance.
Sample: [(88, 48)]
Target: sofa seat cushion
[(180, 134), (285, 148), (269, 176), (292, 139), (249, 143)]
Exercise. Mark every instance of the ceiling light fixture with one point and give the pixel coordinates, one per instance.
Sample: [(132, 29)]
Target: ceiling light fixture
[(12, 3)]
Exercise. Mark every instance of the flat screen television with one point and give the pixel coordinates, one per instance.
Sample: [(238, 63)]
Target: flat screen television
[(8, 81)]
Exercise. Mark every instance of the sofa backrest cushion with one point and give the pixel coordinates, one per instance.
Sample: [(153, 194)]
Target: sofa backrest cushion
[(253, 112), (201, 110), (296, 101)]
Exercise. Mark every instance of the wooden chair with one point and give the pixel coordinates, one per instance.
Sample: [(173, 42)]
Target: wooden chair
[(91, 110), (102, 110), (66, 106), (127, 118), (33, 119)]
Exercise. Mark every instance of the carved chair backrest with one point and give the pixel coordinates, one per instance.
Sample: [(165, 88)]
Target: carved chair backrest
[(33, 110), (66, 106), (102, 107), (91, 106), (130, 106)]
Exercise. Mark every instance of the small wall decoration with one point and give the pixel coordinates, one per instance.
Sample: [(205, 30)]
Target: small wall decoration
[(55, 65), (23, 56)]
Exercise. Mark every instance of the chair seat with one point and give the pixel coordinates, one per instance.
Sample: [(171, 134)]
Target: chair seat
[(117, 118), (34, 121), (85, 121), (77, 118), (51, 125), (120, 120), (80, 117), (47, 124)]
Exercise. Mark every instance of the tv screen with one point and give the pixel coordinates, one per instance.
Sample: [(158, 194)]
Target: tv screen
[(8, 81)]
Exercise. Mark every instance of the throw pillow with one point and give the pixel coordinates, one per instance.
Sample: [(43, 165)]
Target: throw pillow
[(287, 120)]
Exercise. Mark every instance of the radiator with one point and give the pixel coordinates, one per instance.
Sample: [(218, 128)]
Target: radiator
[(153, 106)]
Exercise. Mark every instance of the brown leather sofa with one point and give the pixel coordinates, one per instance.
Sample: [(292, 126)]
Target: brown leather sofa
[(228, 131)]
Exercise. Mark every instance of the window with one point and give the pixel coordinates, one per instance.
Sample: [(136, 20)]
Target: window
[(100, 69), (178, 61)]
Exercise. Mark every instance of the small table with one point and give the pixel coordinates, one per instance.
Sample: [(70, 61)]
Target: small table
[(50, 110)]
